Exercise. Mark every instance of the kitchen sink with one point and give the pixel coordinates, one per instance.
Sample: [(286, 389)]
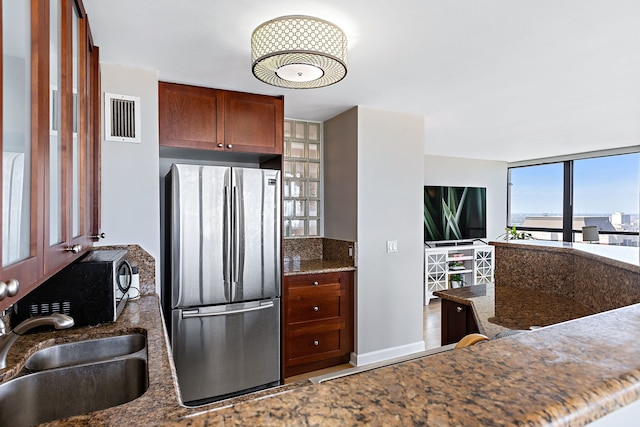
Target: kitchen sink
[(88, 351), (60, 393), (74, 379)]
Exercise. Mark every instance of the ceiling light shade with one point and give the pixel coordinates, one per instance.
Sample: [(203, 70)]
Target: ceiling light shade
[(299, 52)]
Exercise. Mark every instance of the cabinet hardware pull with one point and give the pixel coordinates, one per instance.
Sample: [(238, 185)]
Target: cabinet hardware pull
[(458, 309), (3, 290), (316, 342), (98, 236), (315, 283), (13, 286), (220, 145), (74, 249), (316, 308), (229, 146)]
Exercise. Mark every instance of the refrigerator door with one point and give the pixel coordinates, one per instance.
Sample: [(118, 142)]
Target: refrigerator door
[(255, 234), (225, 349), (200, 241)]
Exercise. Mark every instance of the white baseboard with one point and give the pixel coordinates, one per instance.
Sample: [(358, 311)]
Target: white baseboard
[(386, 354), (364, 368)]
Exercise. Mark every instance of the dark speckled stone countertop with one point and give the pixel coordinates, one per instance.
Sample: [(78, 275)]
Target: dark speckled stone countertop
[(161, 400), (565, 374), (316, 266), (503, 308)]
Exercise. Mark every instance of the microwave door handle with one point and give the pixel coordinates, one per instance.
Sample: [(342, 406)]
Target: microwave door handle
[(124, 288)]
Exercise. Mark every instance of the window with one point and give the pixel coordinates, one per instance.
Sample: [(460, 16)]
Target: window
[(302, 172), (554, 201), (606, 194), (535, 199)]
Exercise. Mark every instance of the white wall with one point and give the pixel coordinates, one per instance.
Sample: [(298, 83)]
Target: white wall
[(388, 206), (130, 194), (458, 172)]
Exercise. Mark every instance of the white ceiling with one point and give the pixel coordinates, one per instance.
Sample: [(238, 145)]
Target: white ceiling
[(495, 79)]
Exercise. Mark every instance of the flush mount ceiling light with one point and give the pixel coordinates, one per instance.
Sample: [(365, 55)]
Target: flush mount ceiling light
[(299, 52)]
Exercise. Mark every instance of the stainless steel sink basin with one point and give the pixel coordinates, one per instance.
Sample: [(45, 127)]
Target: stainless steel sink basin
[(82, 352), (60, 393), (76, 378)]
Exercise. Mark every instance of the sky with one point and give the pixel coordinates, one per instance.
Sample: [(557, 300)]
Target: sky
[(602, 185)]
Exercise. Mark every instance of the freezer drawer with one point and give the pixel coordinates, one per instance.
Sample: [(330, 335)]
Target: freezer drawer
[(221, 350)]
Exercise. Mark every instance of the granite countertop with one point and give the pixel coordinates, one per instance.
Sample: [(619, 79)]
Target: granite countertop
[(504, 308), (625, 257), (569, 373), (315, 266), (161, 401)]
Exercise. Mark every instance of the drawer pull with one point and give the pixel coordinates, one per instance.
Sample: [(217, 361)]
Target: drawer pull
[(316, 308), (220, 145), (316, 342), (315, 283)]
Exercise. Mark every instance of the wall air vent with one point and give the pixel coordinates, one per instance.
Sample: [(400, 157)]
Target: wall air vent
[(121, 118)]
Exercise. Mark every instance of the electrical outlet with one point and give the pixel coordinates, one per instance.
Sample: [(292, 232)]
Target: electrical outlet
[(392, 246)]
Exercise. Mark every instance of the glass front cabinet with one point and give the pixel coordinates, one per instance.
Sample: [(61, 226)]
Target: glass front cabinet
[(50, 141)]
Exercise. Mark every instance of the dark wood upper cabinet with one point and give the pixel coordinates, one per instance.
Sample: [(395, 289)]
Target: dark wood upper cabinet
[(253, 123), (211, 119), (190, 116)]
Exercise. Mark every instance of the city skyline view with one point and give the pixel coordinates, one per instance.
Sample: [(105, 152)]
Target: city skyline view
[(601, 187)]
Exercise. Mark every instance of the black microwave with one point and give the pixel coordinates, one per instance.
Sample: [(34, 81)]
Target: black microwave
[(92, 290)]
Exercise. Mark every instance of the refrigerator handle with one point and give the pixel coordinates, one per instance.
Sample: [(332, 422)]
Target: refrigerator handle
[(237, 226), (225, 235), (196, 313)]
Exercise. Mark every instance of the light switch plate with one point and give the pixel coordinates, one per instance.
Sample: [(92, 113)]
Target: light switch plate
[(392, 246)]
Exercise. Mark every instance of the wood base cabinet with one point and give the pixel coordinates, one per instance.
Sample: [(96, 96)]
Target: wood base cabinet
[(457, 321), (318, 321)]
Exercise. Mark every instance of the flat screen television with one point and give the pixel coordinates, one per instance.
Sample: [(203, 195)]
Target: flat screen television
[(454, 213)]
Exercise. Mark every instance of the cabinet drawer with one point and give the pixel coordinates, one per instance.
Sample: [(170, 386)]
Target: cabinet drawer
[(312, 281), (313, 308), (314, 345)]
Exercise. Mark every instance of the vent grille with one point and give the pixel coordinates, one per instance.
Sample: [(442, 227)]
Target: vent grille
[(46, 308), (122, 118)]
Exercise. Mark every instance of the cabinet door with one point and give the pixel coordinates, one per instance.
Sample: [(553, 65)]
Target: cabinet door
[(190, 116), (22, 125), (95, 147), (457, 321), (58, 197), (435, 273), (484, 264), (253, 123)]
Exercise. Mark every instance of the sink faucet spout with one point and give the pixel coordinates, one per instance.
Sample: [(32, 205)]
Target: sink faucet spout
[(57, 320)]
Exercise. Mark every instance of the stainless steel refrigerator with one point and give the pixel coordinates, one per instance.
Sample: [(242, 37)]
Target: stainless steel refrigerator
[(225, 279)]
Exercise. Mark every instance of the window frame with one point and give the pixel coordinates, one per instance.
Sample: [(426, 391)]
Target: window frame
[(567, 231)]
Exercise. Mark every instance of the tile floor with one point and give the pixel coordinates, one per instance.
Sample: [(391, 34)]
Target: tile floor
[(431, 334)]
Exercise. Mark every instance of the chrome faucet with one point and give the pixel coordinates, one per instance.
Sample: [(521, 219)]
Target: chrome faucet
[(57, 320)]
